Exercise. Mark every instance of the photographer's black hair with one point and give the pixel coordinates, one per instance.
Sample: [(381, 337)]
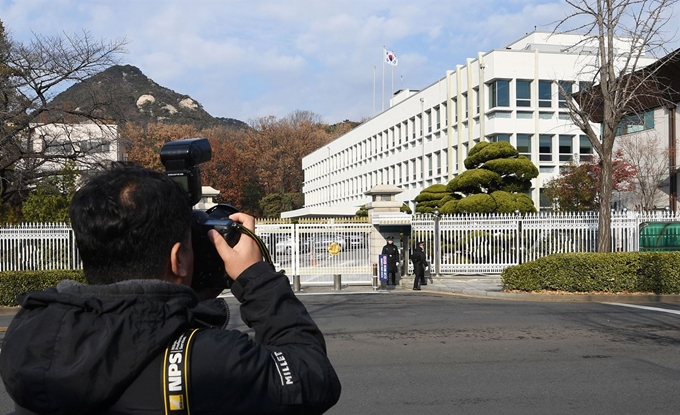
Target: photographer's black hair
[(126, 220)]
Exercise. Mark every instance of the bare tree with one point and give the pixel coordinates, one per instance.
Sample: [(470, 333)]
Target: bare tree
[(621, 34), (648, 152), (34, 132)]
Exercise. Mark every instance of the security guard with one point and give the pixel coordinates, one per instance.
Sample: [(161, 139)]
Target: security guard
[(392, 253)]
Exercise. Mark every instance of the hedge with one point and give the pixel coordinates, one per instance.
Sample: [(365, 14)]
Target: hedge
[(657, 272), (15, 283)]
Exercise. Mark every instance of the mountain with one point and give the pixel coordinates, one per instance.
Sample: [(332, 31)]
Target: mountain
[(125, 94)]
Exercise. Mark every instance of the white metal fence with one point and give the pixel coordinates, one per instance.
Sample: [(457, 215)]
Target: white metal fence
[(489, 243), (317, 250), (36, 246)]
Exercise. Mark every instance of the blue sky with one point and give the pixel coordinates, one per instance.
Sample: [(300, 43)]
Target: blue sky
[(249, 59)]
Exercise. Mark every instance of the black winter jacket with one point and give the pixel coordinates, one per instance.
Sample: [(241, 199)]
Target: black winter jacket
[(79, 349), (392, 253)]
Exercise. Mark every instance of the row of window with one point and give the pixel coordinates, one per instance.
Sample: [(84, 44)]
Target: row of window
[(635, 123), (403, 173), (547, 144), (500, 96), (85, 146)]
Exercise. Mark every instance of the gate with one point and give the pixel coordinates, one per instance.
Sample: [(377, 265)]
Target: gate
[(317, 250)]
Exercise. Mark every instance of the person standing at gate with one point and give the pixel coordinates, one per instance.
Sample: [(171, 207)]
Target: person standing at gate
[(419, 263), (392, 253)]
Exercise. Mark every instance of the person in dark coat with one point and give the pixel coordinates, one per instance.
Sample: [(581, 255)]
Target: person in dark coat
[(138, 340), (419, 264), (392, 253)]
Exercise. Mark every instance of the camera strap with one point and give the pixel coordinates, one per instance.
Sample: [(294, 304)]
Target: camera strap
[(175, 374)]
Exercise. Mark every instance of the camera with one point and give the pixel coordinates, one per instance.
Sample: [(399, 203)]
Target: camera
[(181, 159)]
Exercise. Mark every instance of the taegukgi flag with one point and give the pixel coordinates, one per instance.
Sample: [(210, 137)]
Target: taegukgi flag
[(390, 58)]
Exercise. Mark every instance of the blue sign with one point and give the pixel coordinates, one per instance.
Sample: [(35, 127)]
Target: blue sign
[(382, 267)]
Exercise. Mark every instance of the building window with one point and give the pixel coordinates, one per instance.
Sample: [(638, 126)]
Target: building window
[(564, 93), (465, 103), (93, 146), (585, 148), (58, 148), (444, 161), (635, 123), (566, 147), (499, 137), (476, 98), (438, 160), (583, 85), (429, 121), (499, 93), (545, 147), (524, 145), (545, 94), (523, 91), (544, 202), (438, 111)]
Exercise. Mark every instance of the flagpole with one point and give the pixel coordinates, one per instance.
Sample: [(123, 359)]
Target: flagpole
[(383, 80), (392, 82), (374, 90)]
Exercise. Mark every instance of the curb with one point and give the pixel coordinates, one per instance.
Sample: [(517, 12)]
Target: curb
[(563, 298)]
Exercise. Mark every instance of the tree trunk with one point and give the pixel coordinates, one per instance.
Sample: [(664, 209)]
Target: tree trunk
[(604, 240)]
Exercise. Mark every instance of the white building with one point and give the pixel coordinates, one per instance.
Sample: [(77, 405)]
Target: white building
[(93, 143), (510, 94)]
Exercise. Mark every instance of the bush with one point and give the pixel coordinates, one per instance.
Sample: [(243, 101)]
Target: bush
[(15, 283), (657, 272)]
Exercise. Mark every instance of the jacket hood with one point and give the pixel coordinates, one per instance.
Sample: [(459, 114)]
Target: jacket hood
[(75, 348)]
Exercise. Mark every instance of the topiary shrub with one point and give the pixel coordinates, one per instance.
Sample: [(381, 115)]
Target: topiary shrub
[(657, 272), (15, 283)]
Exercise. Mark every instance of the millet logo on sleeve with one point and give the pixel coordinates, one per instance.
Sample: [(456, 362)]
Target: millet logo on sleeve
[(283, 368)]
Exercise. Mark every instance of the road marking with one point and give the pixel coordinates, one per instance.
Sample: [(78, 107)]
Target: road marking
[(642, 307)]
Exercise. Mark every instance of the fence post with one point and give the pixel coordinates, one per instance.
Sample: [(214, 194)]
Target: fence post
[(375, 277), (437, 245)]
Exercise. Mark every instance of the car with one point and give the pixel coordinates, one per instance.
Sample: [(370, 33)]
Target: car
[(286, 246), (357, 241)]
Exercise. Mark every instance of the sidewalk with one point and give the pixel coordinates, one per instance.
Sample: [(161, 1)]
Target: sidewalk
[(490, 287)]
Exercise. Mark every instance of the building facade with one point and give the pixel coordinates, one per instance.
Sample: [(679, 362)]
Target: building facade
[(511, 94), (648, 138), (92, 143)]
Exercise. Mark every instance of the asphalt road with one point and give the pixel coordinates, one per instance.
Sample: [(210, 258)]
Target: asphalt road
[(406, 352)]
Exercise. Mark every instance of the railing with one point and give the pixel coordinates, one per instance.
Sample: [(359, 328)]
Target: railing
[(318, 249), (489, 243), (36, 246)]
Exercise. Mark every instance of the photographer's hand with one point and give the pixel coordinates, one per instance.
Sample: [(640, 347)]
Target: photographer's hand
[(244, 254)]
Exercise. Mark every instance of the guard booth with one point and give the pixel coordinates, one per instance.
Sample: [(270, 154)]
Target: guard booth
[(659, 236)]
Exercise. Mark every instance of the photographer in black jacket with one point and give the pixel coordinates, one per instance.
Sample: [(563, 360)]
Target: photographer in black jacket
[(101, 348)]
